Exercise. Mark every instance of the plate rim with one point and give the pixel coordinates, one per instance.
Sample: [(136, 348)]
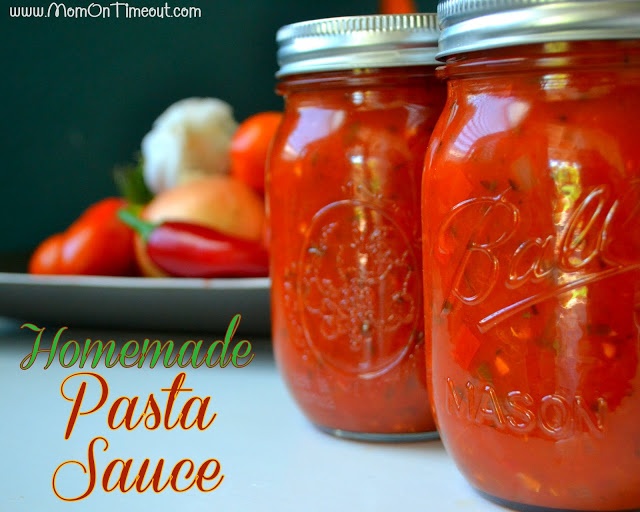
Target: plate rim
[(151, 283)]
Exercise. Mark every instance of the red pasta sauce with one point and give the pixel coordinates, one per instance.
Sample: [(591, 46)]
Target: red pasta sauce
[(345, 237), (531, 215)]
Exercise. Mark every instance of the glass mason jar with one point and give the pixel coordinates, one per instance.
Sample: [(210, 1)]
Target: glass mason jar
[(343, 207), (531, 213)]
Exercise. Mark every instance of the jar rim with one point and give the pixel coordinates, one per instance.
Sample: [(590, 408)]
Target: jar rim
[(356, 42), (473, 25)]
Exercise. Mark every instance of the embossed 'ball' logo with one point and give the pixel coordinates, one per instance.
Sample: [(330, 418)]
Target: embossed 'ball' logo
[(358, 288)]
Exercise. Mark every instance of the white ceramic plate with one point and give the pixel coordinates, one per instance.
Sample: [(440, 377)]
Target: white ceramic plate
[(163, 304)]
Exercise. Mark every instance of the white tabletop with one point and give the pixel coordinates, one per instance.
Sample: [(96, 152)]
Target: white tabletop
[(271, 457)]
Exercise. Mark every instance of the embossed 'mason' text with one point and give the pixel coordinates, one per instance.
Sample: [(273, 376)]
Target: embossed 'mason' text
[(553, 416), (583, 250)]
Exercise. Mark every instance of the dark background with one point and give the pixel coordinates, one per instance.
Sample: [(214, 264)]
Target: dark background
[(79, 94)]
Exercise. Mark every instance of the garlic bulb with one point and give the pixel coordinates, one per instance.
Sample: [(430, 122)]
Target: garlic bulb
[(189, 139)]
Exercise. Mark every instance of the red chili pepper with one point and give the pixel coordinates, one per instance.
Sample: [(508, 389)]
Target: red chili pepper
[(182, 249)]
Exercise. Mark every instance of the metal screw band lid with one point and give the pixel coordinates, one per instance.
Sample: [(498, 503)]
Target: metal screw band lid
[(472, 25), (356, 42)]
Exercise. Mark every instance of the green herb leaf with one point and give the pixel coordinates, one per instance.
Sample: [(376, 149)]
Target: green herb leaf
[(598, 329), (484, 372), (130, 182), (491, 186), (447, 307)]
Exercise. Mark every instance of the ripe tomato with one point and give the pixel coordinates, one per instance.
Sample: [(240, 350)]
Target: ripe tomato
[(97, 243), (46, 258), (250, 146)]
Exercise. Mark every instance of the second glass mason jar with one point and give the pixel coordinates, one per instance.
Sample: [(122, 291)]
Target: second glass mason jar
[(343, 205), (532, 251)]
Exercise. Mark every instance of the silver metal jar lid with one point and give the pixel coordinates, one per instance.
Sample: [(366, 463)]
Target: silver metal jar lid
[(356, 42), (472, 25)]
